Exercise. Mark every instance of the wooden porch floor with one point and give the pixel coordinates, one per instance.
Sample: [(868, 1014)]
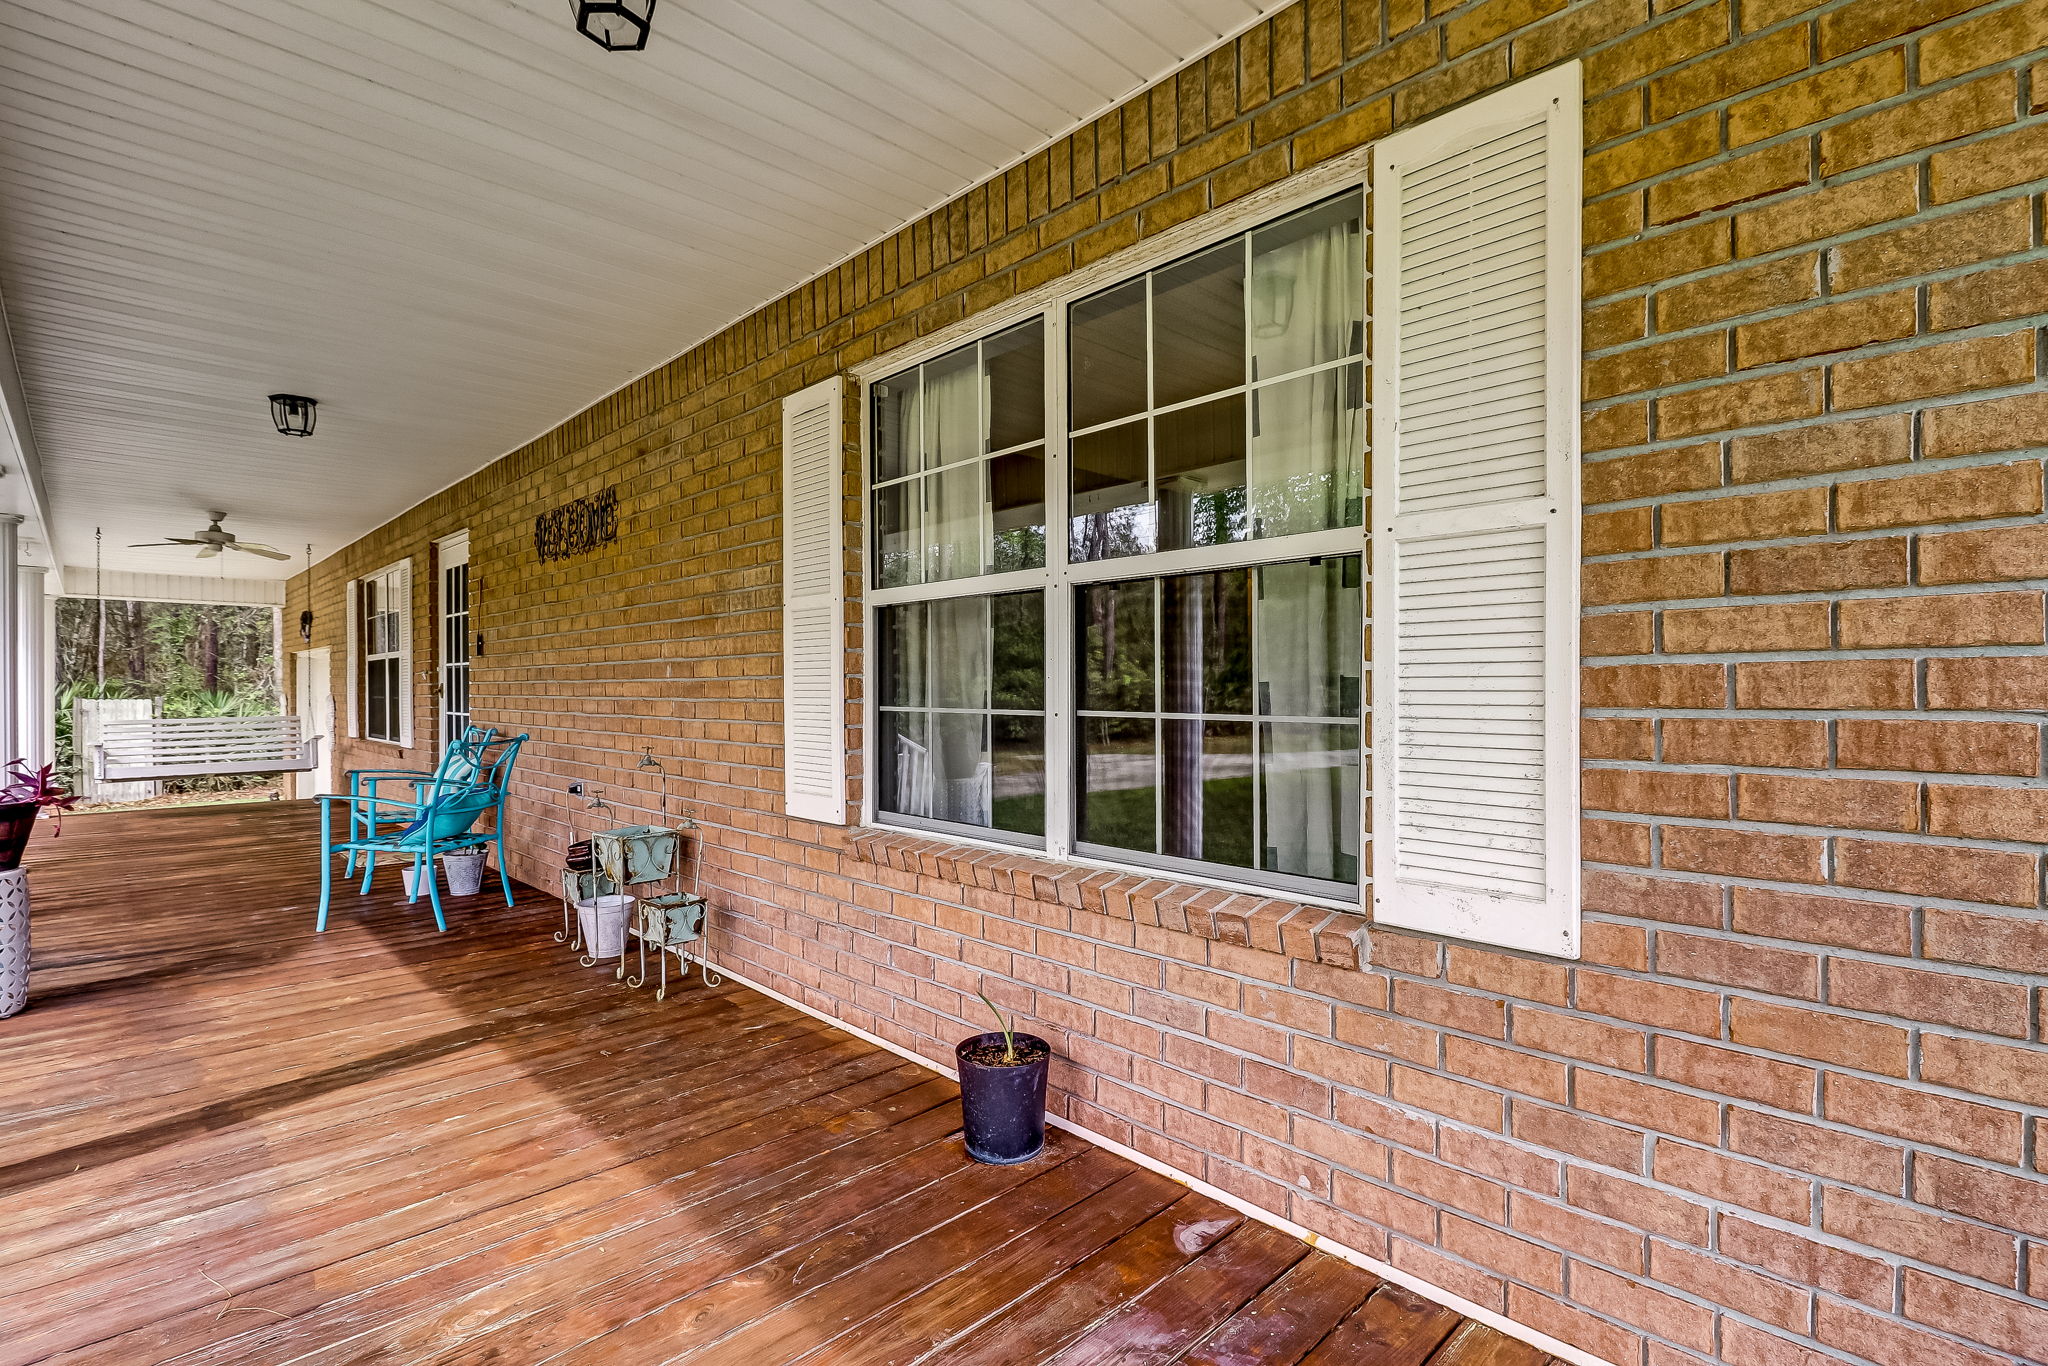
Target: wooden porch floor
[(226, 1140)]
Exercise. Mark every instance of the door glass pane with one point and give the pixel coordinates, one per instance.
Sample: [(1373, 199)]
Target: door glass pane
[(1311, 637), (1206, 791), (1200, 472), (1309, 786), (1198, 325), (1116, 646), (1017, 622), (1308, 453), (1112, 507), (1307, 298), (1018, 799), (952, 408), (1205, 660), (1118, 783), (899, 550), (959, 652), (1017, 503), (953, 525), (896, 426), (1015, 362), (1106, 356)]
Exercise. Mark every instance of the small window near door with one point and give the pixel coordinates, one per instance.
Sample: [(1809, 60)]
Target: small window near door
[(454, 561)]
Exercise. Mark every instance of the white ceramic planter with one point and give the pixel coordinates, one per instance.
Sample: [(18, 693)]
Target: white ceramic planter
[(465, 872), (13, 942)]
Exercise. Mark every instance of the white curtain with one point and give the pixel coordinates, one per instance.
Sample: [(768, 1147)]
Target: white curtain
[(1311, 661), (959, 739), (1308, 445), (955, 502)]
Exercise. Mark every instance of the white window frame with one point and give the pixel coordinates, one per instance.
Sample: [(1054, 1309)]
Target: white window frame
[(451, 552), (360, 656), (1061, 576)]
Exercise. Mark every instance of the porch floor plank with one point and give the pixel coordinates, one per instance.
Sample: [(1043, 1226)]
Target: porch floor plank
[(226, 1139)]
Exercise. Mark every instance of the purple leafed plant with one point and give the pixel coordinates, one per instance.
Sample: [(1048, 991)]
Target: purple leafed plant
[(38, 785)]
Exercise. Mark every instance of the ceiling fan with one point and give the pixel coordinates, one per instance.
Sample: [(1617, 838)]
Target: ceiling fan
[(213, 540)]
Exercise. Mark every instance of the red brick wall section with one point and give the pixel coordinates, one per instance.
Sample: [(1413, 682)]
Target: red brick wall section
[(1792, 1105)]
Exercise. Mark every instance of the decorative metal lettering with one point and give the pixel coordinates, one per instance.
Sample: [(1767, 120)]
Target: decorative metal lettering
[(577, 528)]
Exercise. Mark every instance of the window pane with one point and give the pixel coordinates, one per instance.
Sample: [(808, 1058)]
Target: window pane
[(1309, 785), (959, 653), (1112, 505), (1311, 637), (960, 768), (953, 528), (1116, 653), (1308, 289), (899, 551), (952, 408), (896, 427), (1206, 648), (1200, 462), (1206, 791), (1118, 783), (1308, 453), (1198, 325), (1017, 499), (1017, 622), (1015, 362), (906, 786), (1106, 356), (901, 650), (1018, 802)]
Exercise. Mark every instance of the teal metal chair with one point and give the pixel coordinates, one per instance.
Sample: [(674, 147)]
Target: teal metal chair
[(441, 818), (458, 761)]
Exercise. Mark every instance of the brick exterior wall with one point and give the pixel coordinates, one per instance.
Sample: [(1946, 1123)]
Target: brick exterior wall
[(1792, 1104)]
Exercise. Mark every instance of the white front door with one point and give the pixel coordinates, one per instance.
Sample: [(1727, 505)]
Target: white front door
[(316, 714)]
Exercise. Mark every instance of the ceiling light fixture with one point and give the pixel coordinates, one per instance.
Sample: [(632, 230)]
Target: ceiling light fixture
[(293, 414), (615, 25)]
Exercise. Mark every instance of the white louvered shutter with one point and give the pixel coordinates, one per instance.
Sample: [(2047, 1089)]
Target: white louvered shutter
[(354, 660), (813, 605), (1475, 520), (405, 688)]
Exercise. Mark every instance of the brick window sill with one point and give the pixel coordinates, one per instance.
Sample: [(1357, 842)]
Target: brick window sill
[(1274, 925)]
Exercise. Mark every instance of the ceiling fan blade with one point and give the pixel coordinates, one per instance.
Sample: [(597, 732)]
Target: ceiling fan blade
[(268, 552), (209, 551), (175, 540)]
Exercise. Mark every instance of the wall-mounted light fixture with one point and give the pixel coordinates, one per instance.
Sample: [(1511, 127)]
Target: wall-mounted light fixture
[(293, 414), (615, 25), (305, 626)]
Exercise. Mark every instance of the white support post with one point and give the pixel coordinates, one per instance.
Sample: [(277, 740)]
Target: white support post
[(37, 733), (10, 638)]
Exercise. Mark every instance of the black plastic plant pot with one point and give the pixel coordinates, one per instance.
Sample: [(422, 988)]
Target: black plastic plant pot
[(1003, 1103), (17, 822)]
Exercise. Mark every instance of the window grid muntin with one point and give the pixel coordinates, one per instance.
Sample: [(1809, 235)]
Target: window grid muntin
[(1060, 576)]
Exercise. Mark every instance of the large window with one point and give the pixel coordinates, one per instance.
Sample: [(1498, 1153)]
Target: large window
[(383, 631), (1118, 569)]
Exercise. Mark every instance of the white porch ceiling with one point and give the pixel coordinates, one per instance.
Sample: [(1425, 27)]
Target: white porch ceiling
[(457, 222)]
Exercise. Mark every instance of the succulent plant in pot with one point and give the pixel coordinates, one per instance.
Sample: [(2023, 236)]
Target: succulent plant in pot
[(1002, 1092), (26, 792)]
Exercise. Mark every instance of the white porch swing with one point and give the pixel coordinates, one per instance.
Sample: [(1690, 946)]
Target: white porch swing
[(147, 748)]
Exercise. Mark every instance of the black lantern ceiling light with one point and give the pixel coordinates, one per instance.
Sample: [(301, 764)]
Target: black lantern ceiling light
[(293, 414), (615, 25)]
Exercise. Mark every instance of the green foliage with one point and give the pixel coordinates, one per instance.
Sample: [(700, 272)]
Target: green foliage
[(196, 659)]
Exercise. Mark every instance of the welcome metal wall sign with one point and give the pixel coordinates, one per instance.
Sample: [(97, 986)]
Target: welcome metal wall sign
[(577, 528)]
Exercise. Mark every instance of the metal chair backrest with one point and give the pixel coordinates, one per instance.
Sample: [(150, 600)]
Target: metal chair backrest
[(473, 778)]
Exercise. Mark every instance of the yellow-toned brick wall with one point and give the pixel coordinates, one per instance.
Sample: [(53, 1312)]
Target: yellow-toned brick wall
[(1792, 1104)]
